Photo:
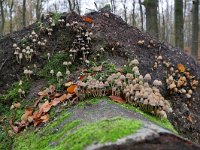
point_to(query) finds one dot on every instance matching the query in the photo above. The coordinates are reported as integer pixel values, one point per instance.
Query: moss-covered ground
(64, 137)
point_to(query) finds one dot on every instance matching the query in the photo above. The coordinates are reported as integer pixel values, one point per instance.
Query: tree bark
(2, 23)
(151, 17)
(10, 14)
(78, 7)
(133, 13)
(178, 13)
(141, 15)
(195, 28)
(71, 5)
(38, 9)
(125, 10)
(113, 6)
(24, 13)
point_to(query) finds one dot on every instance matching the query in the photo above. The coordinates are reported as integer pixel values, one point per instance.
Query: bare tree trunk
(151, 17)
(71, 5)
(24, 13)
(38, 9)
(141, 15)
(78, 9)
(10, 14)
(179, 36)
(195, 28)
(133, 13)
(125, 10)
(2, 24)
(113, 6)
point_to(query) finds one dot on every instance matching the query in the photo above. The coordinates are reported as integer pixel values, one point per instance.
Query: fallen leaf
(181, 68)
(45, 107)
(117, 99)
(72, 88)
(45, 118)
(81, 78)
(38, 100)
(15, 128)
(87, 19)
(28, 112)
(30, 119)
(97, 69)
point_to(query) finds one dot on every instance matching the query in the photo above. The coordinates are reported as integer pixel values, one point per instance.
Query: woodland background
(173, 21)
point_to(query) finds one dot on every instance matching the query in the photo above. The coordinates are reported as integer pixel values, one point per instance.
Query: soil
(110, 31)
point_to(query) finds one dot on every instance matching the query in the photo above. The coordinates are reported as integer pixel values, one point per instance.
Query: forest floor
(121, 43)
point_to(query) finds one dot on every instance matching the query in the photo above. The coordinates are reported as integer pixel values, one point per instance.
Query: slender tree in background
(178, 13)
(151, 17)
(2, 23)
(10, 5)
(24, 13)
(38, 9)
(141, 16)
(125, 10)
(72, 5)
(113, 6)
(133, 13)
(195, 29)
(78, 6)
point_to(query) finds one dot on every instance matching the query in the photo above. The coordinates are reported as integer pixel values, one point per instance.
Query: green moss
(108, 130)
(163, 123)
(89, 101)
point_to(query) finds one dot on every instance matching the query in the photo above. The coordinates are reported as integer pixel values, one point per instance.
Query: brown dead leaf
(72, 89)
(117, 99)
(181, 68)
(38, 100)
(97, 69)
(45, 107)
(81, 78)
(28, 112)
(45, 118)
(15, 128)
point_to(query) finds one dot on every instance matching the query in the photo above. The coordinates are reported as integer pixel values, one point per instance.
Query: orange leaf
(72, 88)
(117, 99)
(45, 118)
(28, 112)
(45, 107)
(181, 68)
(87, 19)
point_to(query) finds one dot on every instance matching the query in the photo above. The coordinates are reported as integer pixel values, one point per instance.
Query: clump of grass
(12, 93)
(56, 64)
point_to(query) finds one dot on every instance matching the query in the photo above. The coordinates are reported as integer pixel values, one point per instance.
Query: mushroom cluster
(181, 81)
(82, 42)
(133, 87)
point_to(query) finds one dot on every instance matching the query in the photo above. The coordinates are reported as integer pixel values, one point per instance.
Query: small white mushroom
(52, 72)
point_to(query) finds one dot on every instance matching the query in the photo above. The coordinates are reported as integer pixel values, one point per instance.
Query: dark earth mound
(120, 42)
